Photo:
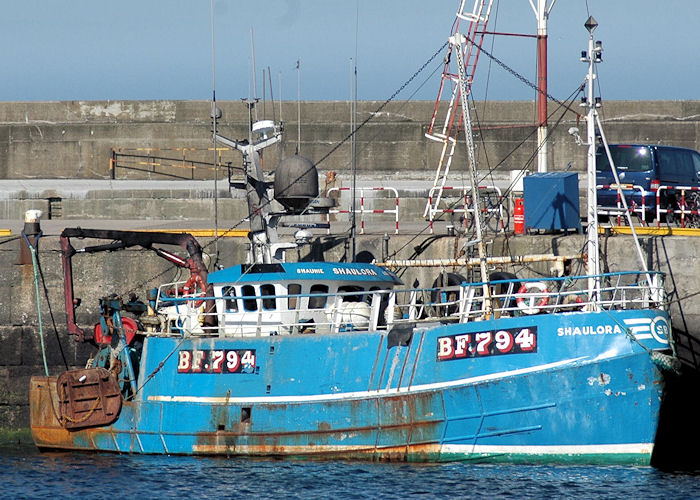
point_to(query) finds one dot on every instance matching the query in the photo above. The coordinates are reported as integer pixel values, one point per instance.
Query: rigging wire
(48, 303)
(521, 77)
(376, 113)
(372, 115)
(367, 120)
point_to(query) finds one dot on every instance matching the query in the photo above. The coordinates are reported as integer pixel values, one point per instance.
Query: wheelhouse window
(268, 303)
(293, 289)
(318, 301)
(229, 295)
(249, 303)
(356, 291)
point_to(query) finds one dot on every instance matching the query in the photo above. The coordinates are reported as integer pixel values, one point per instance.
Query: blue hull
(568, 387)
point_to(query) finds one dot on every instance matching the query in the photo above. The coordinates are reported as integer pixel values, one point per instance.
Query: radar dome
(296, 183)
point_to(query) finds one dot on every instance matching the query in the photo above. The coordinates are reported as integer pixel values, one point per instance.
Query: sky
(162, 49)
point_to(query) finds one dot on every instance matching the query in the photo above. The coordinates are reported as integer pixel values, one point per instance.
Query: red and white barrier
(362, 210)
(464, 207)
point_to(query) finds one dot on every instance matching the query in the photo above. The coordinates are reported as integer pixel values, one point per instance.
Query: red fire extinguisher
(519, 216)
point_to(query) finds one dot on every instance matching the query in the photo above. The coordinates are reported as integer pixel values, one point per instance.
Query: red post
(542, 80)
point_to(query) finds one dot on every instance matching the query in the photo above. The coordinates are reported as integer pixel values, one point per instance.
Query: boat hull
(585, 393)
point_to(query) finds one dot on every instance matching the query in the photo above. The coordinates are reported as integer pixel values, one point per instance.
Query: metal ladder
(445, 127)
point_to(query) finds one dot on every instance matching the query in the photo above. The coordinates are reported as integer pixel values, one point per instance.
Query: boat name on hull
(216, 361)
(488, 343)
(589, 330)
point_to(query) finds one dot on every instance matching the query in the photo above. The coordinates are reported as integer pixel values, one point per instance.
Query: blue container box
(551, 201)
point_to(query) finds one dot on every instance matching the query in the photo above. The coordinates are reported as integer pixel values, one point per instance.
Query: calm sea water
(25, 473)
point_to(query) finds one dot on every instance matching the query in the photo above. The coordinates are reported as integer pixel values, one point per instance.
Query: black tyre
(504, 288)
(439, 296)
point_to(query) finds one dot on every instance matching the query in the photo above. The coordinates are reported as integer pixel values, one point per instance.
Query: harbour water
(26, 473)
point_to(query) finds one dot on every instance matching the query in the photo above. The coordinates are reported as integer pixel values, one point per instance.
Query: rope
(35, 266)
(98, 400)
(48, 304)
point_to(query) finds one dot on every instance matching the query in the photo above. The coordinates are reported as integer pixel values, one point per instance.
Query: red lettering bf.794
(489, 343)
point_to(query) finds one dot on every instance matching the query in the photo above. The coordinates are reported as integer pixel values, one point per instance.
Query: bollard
(519, 216)
(32, 228)
(385, 247)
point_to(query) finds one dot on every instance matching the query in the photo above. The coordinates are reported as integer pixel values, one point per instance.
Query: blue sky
(161, 49)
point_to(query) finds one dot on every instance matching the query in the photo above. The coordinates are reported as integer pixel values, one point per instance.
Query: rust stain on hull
(44, 416)
(388, 442)
(47, 430)
(401, 453)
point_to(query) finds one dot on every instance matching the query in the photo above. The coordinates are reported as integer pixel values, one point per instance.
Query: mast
(353, 217)
(591, 103)
(594, 127)
(263, 233)
(458, 40)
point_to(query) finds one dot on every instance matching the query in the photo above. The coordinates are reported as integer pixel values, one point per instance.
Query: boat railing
(519, 297)
(379, 310)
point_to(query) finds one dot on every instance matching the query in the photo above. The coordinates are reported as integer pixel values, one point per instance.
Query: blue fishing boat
(338, 360)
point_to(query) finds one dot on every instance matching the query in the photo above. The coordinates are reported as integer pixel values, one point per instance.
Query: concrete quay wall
(74, 139)
(98, 275)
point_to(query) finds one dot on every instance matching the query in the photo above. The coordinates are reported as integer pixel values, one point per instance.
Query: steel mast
(458, 40)
(592, 245)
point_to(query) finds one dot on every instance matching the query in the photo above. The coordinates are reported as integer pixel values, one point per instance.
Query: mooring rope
(35, 266)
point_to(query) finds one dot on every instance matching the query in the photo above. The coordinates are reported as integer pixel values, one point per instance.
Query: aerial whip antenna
(255, 83)
(353, 225)
(215, 114)
(298, 106)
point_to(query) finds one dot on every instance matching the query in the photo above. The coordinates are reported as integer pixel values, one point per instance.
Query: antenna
(264, 96)
(255, 84)
(215, 113)
(279, 77)
(272, 98)
(353, 225)
(298, 105)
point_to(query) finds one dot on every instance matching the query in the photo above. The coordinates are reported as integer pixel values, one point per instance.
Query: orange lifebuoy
(526, 299)
(191, 287)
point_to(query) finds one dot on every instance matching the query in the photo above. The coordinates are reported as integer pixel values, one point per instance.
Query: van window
(229, 294)
(318, 302)
(268, 303)
(676, 166)
(628, 158)
(249, 303)
(696, 164)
